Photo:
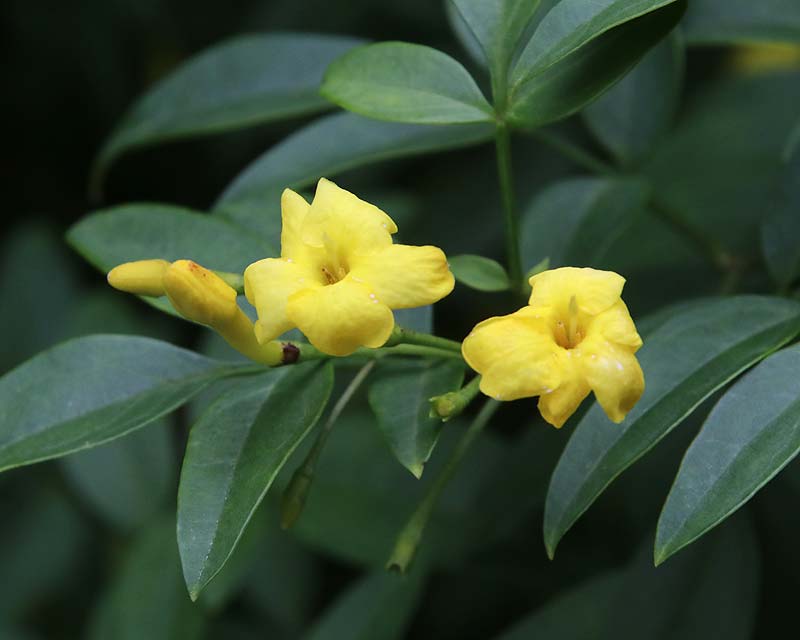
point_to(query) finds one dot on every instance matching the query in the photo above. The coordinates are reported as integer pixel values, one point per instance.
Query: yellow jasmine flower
(339, 275)
(575, 336)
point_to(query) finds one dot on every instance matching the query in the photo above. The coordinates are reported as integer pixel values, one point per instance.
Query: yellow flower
(339, 275)
(575, 336)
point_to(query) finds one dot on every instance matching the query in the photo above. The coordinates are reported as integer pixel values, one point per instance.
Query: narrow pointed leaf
(478, 272)
(88, 391)
(684, 361)
(400, 402)
(234, 452)
(327, 147)
(403, 82)
(742, 21)
(749, 436)
(242, 82)
(498, 26)
(553, 84)
(632, 116)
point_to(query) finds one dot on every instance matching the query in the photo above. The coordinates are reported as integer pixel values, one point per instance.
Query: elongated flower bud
(143, 277)
(199, 294)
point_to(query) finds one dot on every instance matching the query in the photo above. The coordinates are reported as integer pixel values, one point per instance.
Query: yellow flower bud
(143, 277)
(199, 294)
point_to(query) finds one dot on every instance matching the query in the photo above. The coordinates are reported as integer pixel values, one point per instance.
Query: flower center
(333, 273)
(569, 334)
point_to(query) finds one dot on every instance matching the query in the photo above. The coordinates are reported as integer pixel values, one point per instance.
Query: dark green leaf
(417, 319)
(142, 231)
(241, 82)
(477, 272)
(234, 453)
(632, 116)
(709, 593)
(326, 147)
(403, 82)
(378, 606)
(147, 599)
(561, 71)
(780, 232)
(498, 27)
(732, 135)
(684, 361)
(576, 221)
(88, 391)
(751, 434)
(742, 21)
(128, 480)
(400, 402)
(792, 142)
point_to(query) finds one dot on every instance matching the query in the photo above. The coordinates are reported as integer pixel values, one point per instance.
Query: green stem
(294, 497)
(503, 147)
(297, 352)
(407, 542)
(573, 152)
(408, 336)
(449, 405)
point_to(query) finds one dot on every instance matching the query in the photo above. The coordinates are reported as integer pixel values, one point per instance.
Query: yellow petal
(613, 373)
(403, 276)
(594, 290)
(557, 406)
(198, 294)
(616, 325)
(294, 209)
(339, 318)
(344, 224)
(515, 355)
(268, 284)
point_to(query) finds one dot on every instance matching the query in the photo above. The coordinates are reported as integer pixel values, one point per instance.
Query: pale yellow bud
(198, 294)
(143, 277)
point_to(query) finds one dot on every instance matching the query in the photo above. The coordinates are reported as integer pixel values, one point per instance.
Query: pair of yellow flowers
(340, 275)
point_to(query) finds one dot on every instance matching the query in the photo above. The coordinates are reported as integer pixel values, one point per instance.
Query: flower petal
(294, 209)
(613, 373)
(268, 284)
(344, 224)
(557, 406)
(403, 276)
(515, 355)
(616, 325)
(594, 290)
(341, 317)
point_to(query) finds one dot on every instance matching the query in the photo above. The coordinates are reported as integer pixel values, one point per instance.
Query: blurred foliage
(684, 176)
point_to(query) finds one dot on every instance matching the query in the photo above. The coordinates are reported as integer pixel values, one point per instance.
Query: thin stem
(294, 497)
(407, 542)
(449, 405)
(573, 152)
(408, 336)
(503, 147)
(296, 352)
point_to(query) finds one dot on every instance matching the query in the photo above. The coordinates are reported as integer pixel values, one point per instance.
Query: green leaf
(400, 402)
(234, 453)
(740, 172)
(567, 64)
(378, 606)
(498, 27)
(477, 272)
(327, 147)
(403, 82)
(88, 391)
(128, 480)
(147, 599)
(142, 231)
(576, 221)
(684, 361)
(242, 82)
(742, 21)
(750, 435)
(780, 232)
(711, 592)
(792, 142)
(635, 114)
